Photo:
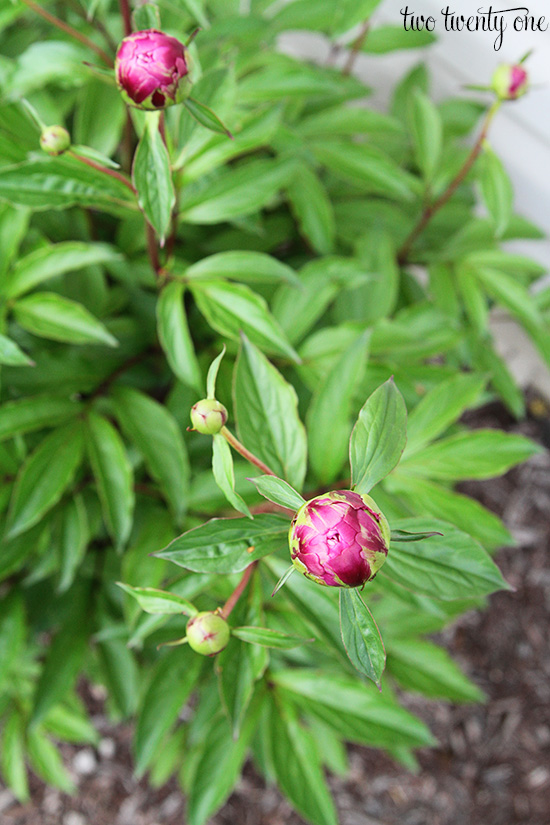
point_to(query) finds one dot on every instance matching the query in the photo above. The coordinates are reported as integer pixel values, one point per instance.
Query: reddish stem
(111, 172)
(126, 16)
(356, 48)
(152, 248)
(431, 209)
(237, 593)
(241, 449)
(55, 21)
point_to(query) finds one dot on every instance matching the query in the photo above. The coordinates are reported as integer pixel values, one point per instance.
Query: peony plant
(203, 229)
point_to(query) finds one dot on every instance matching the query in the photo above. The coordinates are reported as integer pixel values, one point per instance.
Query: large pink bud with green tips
(339, 539)
(152, 70)
(510, 82)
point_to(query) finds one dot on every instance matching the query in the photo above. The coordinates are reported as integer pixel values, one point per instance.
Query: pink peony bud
(207, 633)
(339, 539)
(510, 82)
(208, 416)
(152, 70)
(55, 140)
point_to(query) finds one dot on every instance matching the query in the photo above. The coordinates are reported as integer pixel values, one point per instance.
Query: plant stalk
(433, 208)
(237, 593)
(241, 449)
(55, 21)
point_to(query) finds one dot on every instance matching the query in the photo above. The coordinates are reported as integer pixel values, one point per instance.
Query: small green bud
(55, 140)
(207, 633)
(510, 82)
(208, 416)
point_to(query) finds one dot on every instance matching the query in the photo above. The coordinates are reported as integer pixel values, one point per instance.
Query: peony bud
(207, 633)
(339, 539)
(55, 140)
(510, 82)
(208, 416)
(152, 70)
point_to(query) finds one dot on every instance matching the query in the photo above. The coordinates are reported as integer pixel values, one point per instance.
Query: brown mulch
(492, 765)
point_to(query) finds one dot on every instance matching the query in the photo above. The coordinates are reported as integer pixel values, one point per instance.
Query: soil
(492, 765)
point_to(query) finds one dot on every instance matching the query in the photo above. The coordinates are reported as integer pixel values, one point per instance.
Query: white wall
(521, 132)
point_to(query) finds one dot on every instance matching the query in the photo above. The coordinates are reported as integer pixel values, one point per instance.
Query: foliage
(296, 245)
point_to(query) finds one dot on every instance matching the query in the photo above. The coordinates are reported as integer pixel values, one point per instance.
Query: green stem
(433, 208)
(55, 21)
(241, 449)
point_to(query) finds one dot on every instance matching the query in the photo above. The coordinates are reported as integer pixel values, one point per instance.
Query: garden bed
(491, 765)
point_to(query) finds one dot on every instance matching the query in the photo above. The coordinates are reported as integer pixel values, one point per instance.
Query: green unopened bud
(207, 633)
(55, 140)
(208, 416)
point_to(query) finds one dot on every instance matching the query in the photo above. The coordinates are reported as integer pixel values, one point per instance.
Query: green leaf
(266, 409)
(497, 191)
(452, 567)
(159, 601)
(174, 677)
(63, 659)
(34, 413)
(234, 192)
(59, 183)
(356, 710)
(219, 764)
(474, 454)
(268, 638)
(222, 467)
(46, 761)
(73, 540)
(441, 407)
(329, 414)
(428, 669)
(156, 434)
(70, 725)
(316, 605)
(206, 117)
(11, 355)
(403, 535)
(240, 665)
(278, 491)
(297, 765)
(367, 168)
(465, 513)
(378, 438)
(245, 265)
(121, 674)
(212, 375)
(391, 38)
(361, 636)
(12, 633)
(313, 209)
(227, 545)
(49, 315)
(427, 130)
(54, 260)
(12, 755)
(153, 179)
(44, 477)
(113, 476)
(233, 308)
(174, 337)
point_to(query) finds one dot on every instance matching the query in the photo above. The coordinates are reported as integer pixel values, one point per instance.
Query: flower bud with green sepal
(207, 633)
(153, 70)
(208, 416)
(55, 140)
(509, 82)
(339, 539)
